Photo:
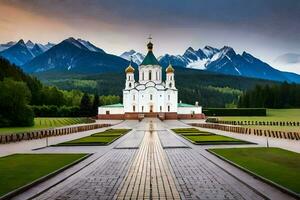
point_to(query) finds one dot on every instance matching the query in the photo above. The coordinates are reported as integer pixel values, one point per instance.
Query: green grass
(97, 139)
(213, 139)
(274, 115)
(292, 115)
(43, 123)
(278, 165)
(20, 169)
(206, 138)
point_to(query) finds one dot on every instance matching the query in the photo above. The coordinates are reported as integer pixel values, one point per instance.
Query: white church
(150, 96)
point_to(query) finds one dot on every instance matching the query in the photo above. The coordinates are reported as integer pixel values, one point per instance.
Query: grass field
(20, 169)
(278, 165)
(292, 115)
(206, 138)
(97, 139)
(42, 123)
(280, 115)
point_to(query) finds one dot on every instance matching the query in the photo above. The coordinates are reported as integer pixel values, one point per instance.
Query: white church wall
(112, 110)
(190, 110)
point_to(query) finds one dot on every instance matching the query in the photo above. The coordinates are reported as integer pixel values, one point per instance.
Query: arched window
(150, 96)
(133, 108)
(170, 85)
(129, 84)
(134, 97)
(168, 108)
(143, 76)
(142, 108)
(156, 75)
(150, 74)
(169, 97)
(160, 108)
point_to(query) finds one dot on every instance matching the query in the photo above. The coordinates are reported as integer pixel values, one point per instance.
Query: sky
(264, 28)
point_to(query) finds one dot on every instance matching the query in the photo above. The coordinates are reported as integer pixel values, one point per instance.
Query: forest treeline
(285, 95)
(23, 96)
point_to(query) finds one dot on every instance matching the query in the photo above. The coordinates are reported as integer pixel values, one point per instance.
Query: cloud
(266, 28)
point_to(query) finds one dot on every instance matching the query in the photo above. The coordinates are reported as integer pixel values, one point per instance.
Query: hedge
(235, 111)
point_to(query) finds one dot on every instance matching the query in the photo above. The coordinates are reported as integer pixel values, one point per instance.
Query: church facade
(150, 96)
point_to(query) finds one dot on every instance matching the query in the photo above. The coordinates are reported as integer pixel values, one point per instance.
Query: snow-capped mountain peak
(135, 56)
(6, 45)
(29, 44)
(90, 46)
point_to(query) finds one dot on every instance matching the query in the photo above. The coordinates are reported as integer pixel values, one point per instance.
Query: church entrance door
(151, 108)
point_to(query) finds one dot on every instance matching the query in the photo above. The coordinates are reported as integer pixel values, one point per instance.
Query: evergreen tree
(85, 106)
(95, 106)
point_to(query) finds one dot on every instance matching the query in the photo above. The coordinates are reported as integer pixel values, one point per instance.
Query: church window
(129, 84)
(170, 85)
(168, 108)
(133, 97)
(133, 108)
(160, 108)
(156, 76)
(150, 96)
(169, 97)
(150, 74)
(142, 108)
(143, 76)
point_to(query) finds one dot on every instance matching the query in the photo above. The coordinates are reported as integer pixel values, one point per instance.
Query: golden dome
(170, 69)
(129, 69)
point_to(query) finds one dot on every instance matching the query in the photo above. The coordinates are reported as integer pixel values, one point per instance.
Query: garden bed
(97, 139)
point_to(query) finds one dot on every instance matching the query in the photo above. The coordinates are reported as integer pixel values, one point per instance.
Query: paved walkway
(151, 162)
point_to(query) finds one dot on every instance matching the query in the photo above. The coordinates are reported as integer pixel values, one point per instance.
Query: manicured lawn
(42, 123)
(20, 169)
(292, 115)
(274, 115)
(278, 165)
(97, 139)
(206, 138)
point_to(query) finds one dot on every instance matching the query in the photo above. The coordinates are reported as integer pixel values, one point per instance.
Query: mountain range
(80, 56)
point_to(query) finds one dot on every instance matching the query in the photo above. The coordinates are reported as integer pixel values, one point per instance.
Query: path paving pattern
(151, 162)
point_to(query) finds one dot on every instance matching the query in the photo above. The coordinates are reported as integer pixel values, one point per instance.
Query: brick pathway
(98, 181)
(200, 179)
(153, 163)
(149, 176)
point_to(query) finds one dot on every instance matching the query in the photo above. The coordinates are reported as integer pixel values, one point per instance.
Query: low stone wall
(160, 115)
(4, 139)
(258, 123)
(191, 116)
(251, 131)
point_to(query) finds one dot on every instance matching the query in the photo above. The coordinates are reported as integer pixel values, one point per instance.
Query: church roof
(170, 69)
(184, 105)
(150, 59)
(118, 105)
(129, 69)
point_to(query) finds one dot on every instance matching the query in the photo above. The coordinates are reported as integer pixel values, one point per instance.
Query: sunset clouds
(265, 28)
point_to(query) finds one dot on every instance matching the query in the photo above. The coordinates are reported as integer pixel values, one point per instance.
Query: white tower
(170, 80)
(129, 77)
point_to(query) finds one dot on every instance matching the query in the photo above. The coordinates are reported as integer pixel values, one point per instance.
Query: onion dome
(170, 69)
(129, 69)
(150, 46)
